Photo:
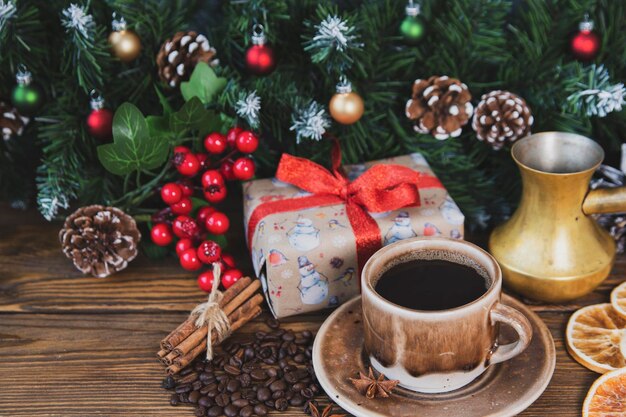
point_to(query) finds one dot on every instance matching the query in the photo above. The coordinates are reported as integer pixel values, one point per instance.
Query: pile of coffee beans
(272, 371)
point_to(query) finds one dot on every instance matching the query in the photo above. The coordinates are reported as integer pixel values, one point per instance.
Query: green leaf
(167, 108)
(158, 125)
(203, 84)
(193, 116)
(133, 149)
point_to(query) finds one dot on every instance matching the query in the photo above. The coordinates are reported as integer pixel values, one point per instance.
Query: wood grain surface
(78, 346)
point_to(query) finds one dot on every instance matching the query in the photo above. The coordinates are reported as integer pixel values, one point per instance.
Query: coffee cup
(427, 348)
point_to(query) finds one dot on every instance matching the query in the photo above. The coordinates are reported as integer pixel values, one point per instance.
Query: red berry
(205, 281)
(204, 160)
(215, 193)
(227, 170)
(184, 206)
(182, 245)
(189, 260)
(217, 223)
(181, 150)
(187, 164)
(212, 177)
(171, 193)
(230, 277)
(231, 136)
(209, 252)
(247, 142)
(185, 227)
(228, 259)
(187, 186)
(161, 234)
(243, 168)
(215, 143)
(203, 213)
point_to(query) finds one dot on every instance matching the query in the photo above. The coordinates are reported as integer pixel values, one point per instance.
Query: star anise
(373, 387)
(315, 412)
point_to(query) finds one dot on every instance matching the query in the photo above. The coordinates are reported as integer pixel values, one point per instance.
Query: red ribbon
(381, 188)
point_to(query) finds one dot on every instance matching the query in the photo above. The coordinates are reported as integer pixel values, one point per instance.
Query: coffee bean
(271, 372)
(297, 400)
(278, 385)
(299, 358)
(263, 394)
(288, 336)
(246, 411)
(241, 403)
(272, 323)
(213, 393)
(233, 385)
(248, 354)
(258, 375)
(235, 396)
(291, 377)
(314, 388)
(232, 348)
(215, 411)
(204, 401)
(200, 412)
(182, 398)
(194, 396)
(270, 381)
(281, 404)
(260, 410)
(299, 386)
(278, 394)
(289, 395)
(231, 411)
(260, 335)
(231, 370)
(183, 388)
(270, 404)
(168, 383)
(301, 340)
(197, 385)
(245, 380)
(185, 371)
(174, 400)
(307, 393)
(222, 399)
(236, 361)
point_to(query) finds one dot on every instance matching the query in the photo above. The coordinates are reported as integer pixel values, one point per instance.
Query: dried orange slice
(618, 299)
(596, 338)
(607, 396)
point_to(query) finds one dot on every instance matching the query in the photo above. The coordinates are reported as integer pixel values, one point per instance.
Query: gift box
(308, 241)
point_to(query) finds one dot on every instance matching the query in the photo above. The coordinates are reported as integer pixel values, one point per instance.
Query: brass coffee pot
(551, 249)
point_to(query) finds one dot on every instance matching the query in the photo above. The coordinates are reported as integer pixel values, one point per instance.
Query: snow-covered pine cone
(501, 117)
(11, 122)
(100, 240)
(440, 106)
(179, 55)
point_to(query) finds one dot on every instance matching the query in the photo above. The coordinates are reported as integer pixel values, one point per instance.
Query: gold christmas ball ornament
(125, 44)
(346, 106)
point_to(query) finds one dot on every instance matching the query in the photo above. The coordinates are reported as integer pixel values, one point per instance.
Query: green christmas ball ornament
(27, 97)
(412, 28)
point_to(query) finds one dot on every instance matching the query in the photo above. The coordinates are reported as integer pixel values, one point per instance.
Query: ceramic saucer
(505, 389)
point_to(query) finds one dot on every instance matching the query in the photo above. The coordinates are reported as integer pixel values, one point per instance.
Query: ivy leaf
(193, 116)
(133, 149)
(203, 84)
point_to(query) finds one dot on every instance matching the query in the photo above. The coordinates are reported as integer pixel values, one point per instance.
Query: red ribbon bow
(381, 188)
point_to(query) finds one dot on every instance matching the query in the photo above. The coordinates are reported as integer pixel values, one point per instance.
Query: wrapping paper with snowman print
(307, 259)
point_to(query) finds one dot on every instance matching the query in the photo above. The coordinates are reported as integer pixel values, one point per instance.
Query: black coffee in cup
(431, 284)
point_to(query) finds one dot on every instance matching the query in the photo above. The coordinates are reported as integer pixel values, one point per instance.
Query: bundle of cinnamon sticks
(240, 303)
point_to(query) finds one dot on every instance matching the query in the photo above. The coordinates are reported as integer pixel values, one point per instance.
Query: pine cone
(440, 106)
(100, 240)
(501, 117)
(11, 122)
(179, 55)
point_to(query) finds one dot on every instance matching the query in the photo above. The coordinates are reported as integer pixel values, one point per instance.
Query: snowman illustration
(418, 159)
(401, 229)
(313, 285)
(450, 211)
(304, 236)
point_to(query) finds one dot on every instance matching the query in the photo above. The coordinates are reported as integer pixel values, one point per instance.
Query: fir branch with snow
(75, 18)
(7, 11)
(248, 107)
(594, 95)
(309, 121)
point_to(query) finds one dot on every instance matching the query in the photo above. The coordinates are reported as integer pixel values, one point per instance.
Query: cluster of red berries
(192, 247)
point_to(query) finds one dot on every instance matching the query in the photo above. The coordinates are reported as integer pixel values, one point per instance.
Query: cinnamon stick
(167, 359)
(200, 333)
(161, 353)
(186, 328)
(189, 357)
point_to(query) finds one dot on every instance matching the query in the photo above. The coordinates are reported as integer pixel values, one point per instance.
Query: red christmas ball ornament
(171, 193)
(227, 170)
(100, 120)
(247, 142)
(189, 260)
(260, 56)
(585, 44)
(215, 143)
(185, 227)
(205, 281)
(231, 136)
(203, 214)
(228, 259)
(187, 164)
(243, 168)
(230, 277)
(217, 223)
(186, 186)
(209, 252)
(182, 245)
(184, 206)
(161, 234)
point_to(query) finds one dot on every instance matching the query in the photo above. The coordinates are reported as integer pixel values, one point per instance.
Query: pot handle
(605, 200)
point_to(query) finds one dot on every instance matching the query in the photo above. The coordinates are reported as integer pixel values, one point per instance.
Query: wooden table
(80, 346)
